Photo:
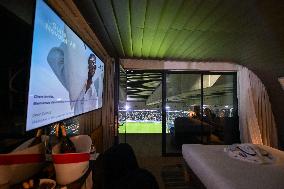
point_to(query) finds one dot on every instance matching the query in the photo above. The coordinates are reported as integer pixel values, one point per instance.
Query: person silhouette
(197, 114)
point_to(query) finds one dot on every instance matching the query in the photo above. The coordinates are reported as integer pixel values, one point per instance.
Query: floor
(148, 149)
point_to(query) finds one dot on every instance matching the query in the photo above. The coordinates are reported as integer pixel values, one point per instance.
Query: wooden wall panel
(90, 121)
(97, 138)
(108, 108)
(99, 123)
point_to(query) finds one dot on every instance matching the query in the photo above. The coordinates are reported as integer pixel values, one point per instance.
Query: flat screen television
(66, 76)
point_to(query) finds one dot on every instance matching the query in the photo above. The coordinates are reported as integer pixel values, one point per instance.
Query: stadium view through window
(198, 107)
(136, 113)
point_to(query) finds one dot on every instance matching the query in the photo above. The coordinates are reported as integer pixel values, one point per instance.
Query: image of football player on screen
(87, 98)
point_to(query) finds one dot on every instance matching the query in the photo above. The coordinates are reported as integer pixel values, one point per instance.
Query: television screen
(66, 76)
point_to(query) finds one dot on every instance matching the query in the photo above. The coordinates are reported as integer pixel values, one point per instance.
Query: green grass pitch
(141, 127)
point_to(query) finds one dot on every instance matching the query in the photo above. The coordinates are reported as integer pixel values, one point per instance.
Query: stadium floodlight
(167, 107)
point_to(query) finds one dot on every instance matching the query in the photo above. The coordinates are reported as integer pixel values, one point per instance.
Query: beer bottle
(67, 146)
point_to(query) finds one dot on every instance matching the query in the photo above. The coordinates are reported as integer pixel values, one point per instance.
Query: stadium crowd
(156, 115)
(149, 115)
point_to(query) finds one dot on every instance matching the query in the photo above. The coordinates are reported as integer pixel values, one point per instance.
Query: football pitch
(141, 127)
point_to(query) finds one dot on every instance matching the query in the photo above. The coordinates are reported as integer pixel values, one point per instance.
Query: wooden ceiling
(179, 29)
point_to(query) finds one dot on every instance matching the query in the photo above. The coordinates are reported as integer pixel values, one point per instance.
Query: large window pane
(218, 108)
(183, 93)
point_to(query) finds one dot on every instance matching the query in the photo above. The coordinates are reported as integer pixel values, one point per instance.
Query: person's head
(207, 112)
(196, 109)
(191, 114)
(222, 114)
(91, 66)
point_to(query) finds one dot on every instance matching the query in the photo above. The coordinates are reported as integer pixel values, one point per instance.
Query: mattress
(217, 170)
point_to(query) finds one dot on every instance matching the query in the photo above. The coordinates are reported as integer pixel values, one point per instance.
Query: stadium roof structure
(140, 85)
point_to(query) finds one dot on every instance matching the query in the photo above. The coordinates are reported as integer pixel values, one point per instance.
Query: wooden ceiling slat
(216, 43)
(170, 37)
(107, 14)
(242, 20)
(185, 12)
(148, 35)
(225, 44)
(156, 42)
(237, 12)
(180, 39)
(201, 13)
(177, 27)
(153, 13)
(180, 36)
(272, 17)
(168, 15)
(95, 22)
(255, 47)
(211, 18)
(184, 36)
(138, 11)
(199, 43)
(188, 42)
(137, 39)
(205, 40)
(122, 14)
(235, 45)
(221, 12)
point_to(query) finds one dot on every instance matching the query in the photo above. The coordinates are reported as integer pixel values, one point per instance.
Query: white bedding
(217, 170)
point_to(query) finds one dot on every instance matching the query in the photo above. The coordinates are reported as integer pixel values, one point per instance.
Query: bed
(216, 170)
